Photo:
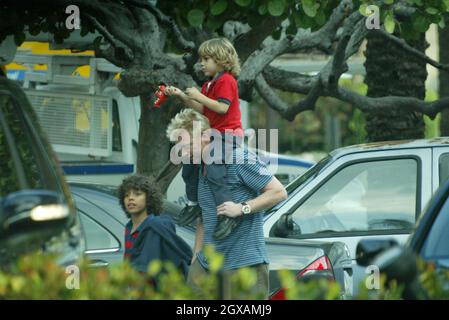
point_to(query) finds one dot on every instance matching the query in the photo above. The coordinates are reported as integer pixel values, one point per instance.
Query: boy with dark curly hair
(149, 235)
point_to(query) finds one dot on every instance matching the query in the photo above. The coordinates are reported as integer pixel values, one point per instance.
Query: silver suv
(369, 191)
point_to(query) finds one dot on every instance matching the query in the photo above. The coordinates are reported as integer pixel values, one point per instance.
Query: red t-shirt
(224, 89)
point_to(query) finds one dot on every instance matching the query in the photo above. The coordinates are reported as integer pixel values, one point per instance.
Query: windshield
(311, 173)
(296, 184)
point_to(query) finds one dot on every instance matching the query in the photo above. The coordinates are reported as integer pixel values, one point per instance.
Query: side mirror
(283, 227)
(368, 249)
(30, 217)
(398, 264)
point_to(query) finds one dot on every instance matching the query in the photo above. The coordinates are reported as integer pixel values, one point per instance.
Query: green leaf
(432, 10)
(243, 3)
(276, 7)
(421, 24)
(389, 23)
(320, 18)
(310, 7)
(263, 9)
(388, 1)
(442, 23)
(214, 23)
(195, 17)
(446, 4)
(362, 10)
(219, 7)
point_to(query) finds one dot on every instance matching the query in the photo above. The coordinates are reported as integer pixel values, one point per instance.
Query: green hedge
(38, 276)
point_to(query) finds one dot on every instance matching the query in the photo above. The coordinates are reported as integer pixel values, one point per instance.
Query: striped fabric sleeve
(254, 175)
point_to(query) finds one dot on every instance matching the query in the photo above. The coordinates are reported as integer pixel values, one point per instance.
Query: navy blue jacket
(157, 240)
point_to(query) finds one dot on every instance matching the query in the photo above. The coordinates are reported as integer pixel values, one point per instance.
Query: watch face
(246, 209)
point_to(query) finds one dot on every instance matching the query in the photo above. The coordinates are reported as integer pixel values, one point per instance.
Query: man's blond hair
(222, 52)
(185, 120)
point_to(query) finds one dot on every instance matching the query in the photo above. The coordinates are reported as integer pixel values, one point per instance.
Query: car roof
(100, 195)
(391, 145)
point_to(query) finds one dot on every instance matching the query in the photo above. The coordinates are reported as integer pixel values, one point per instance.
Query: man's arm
(198, 238)
(273, 193)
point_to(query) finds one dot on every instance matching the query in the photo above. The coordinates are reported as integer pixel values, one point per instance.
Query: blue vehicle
(429, 241)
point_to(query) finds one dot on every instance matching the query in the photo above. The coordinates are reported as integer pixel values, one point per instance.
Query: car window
(436, 245)
(8, 178)
(97, 237)
(22, 144)
(368, 196)
(443, 165)
(116, 129)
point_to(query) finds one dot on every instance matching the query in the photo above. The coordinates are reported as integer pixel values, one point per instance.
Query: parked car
(36, 208)
(374, 191)
(104, 221)
(430, 241)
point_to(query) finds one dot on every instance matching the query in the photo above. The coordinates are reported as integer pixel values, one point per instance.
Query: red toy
(160, 96)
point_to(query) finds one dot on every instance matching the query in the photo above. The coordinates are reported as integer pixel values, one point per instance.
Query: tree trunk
(443, 43)
(154, 147)
(391, 71)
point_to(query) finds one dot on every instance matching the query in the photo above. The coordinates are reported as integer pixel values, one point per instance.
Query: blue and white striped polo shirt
(245, 246)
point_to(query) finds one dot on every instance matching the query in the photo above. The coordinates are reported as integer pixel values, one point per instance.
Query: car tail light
(320, 264)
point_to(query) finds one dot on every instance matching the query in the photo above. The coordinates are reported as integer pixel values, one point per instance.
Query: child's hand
(172, 91)
(193, 93)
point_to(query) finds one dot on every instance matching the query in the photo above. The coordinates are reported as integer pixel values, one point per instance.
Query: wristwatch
(246, 209)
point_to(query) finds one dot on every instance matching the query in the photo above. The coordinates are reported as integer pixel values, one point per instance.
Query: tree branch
(270, 97)
(248, 42)
(288, 80)
(365, 103)
(167, 21)
(303, 39)
(116, 44)
(404, 46)
(165, 176)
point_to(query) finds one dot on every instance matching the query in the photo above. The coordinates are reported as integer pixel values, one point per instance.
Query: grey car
(369, 191)
(103, 222)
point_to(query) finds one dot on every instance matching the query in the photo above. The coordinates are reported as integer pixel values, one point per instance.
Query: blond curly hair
(223, 53)
(185, 120)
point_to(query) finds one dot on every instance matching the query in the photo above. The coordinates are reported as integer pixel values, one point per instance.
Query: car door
(368, 194)
(102, 234)
(29, 173)
(440, 166)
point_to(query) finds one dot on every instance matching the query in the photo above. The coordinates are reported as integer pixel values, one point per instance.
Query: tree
(139, 35)
(443, 41)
